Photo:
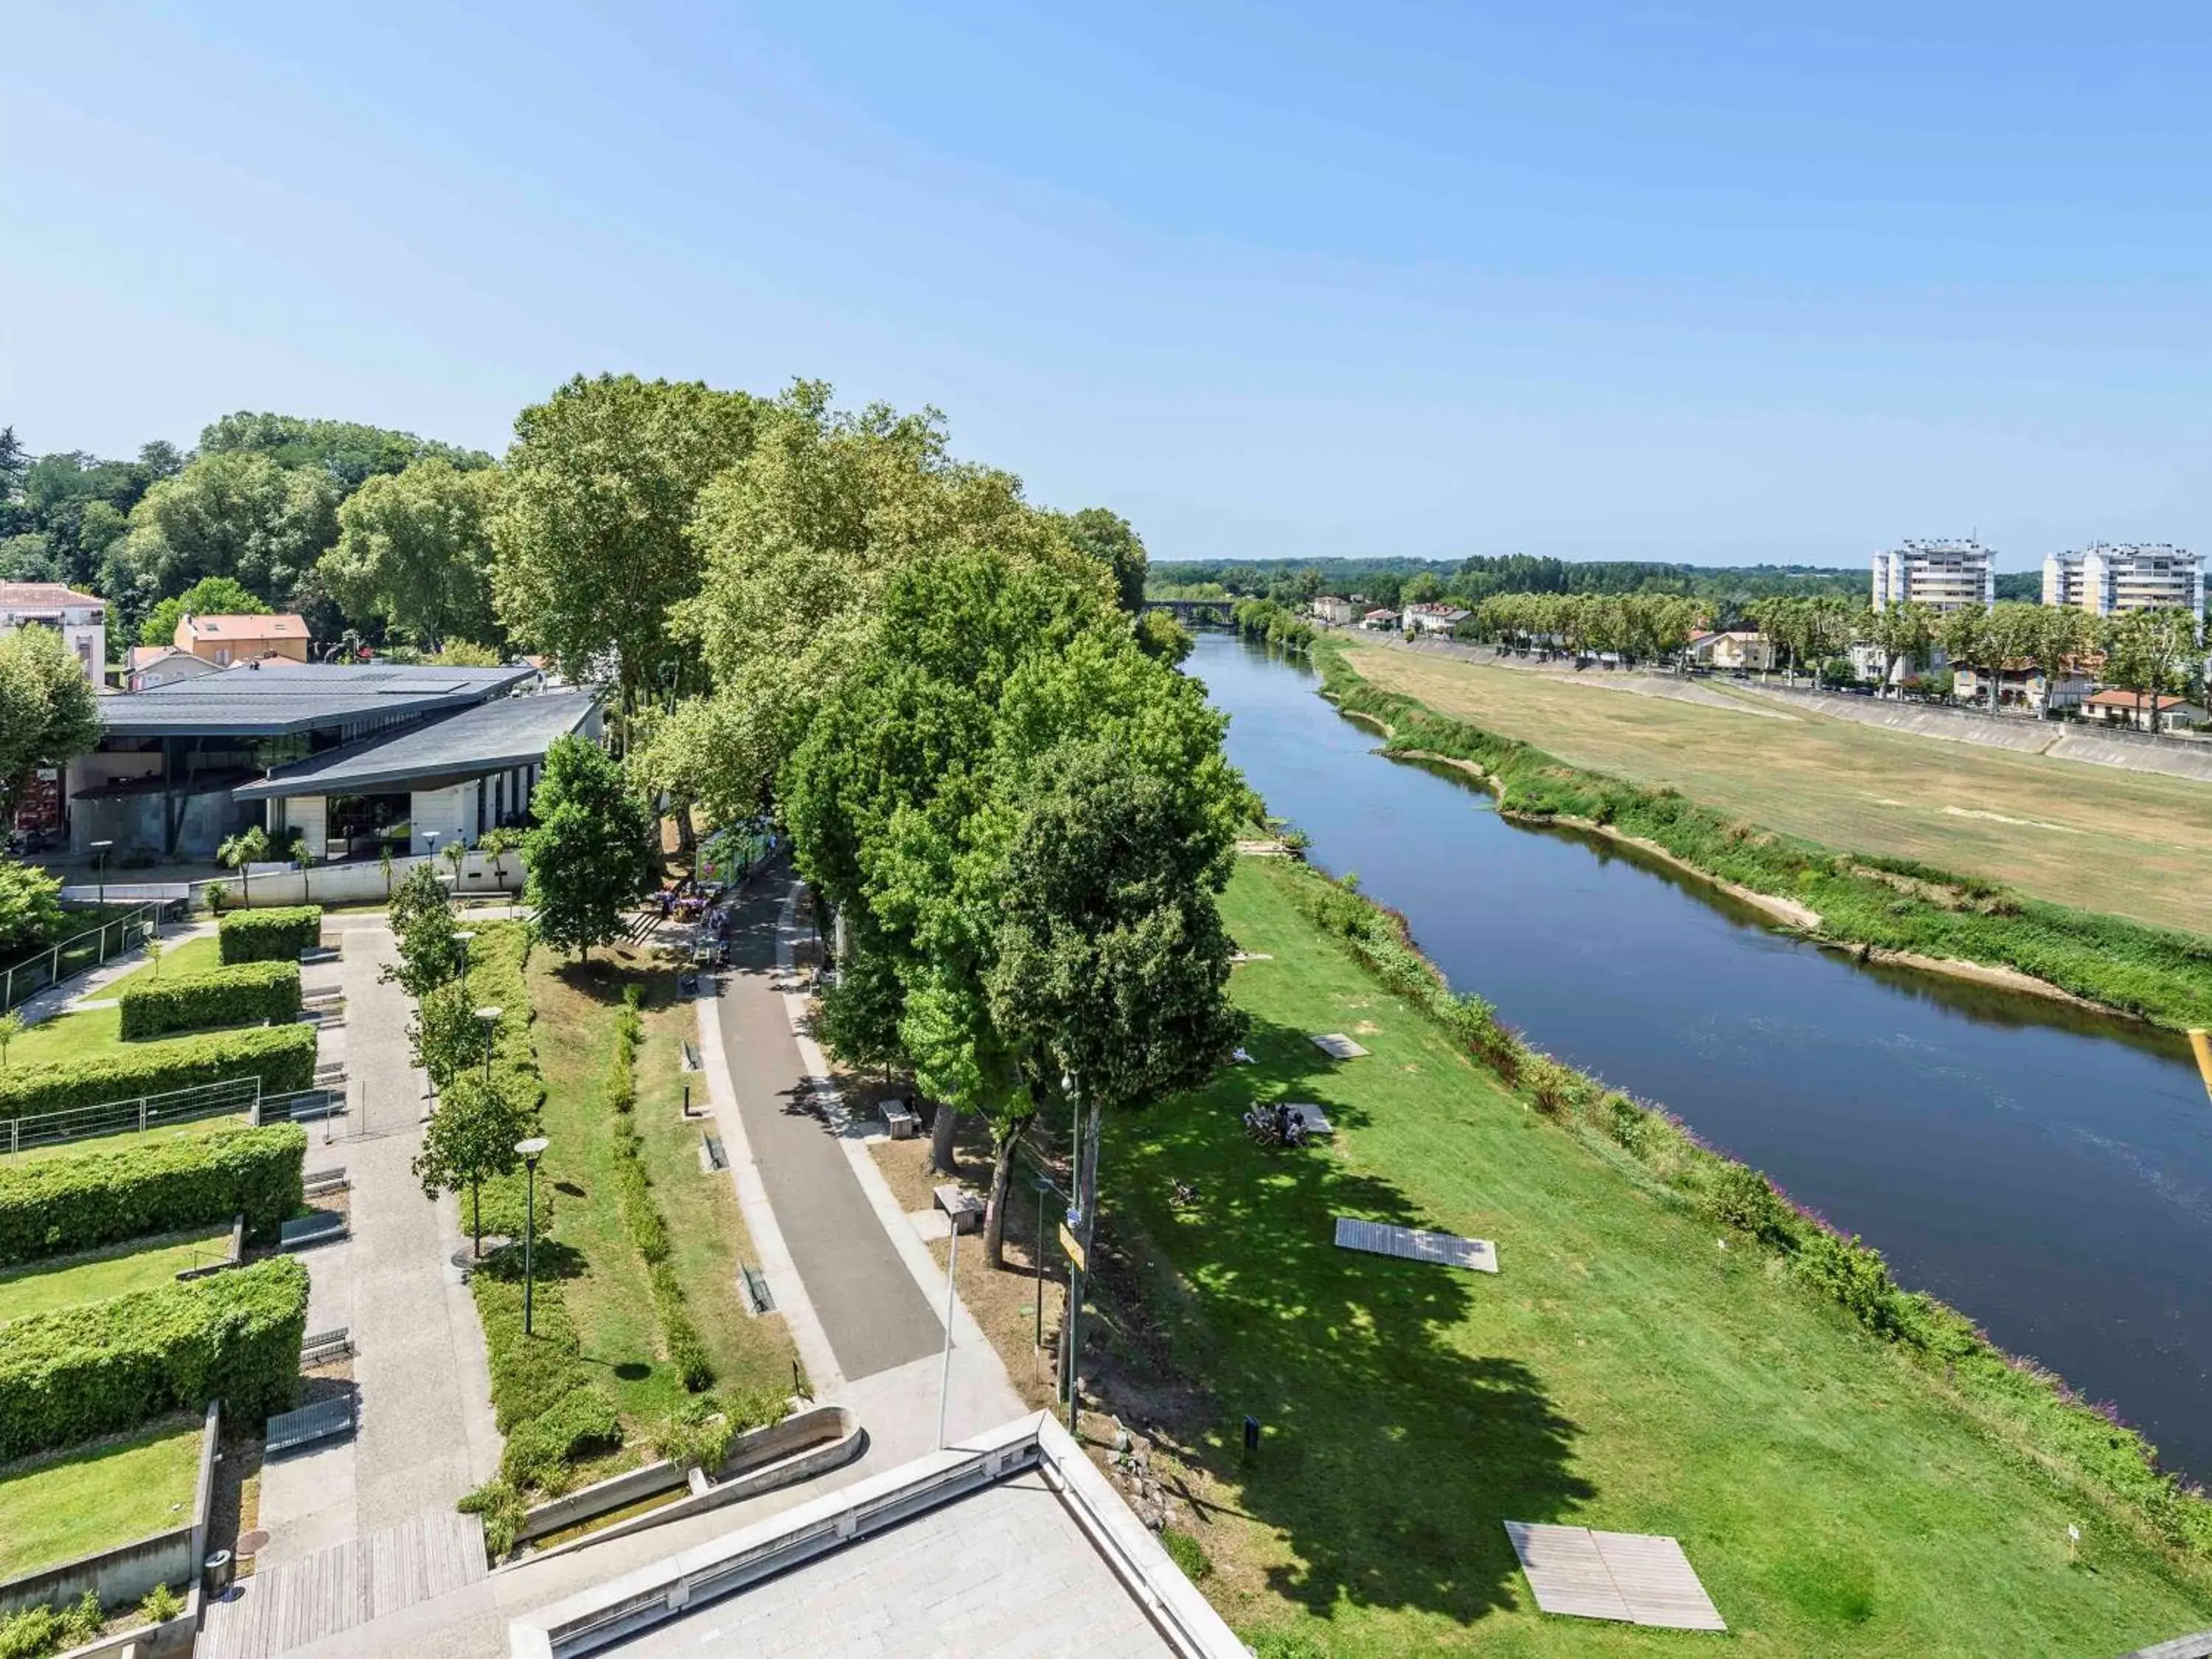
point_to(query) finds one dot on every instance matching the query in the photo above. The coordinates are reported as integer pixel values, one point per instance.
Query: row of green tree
(1389, 583)
(1635, 626)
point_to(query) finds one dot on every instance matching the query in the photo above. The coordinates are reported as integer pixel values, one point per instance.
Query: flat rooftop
(1010, 1543)
(491, 737)
(253, 703)
(1003, 1571)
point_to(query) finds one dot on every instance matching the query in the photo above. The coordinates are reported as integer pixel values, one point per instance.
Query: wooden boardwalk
(1379, 1237)
(345, 1586)
(1634, 1577)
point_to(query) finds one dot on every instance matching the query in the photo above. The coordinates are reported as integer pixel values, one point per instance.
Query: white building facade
(2108, 577)
(1943, 575)
(80, 618)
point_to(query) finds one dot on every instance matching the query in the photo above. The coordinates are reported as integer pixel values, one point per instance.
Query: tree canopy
(210, 596)
(415, 549)
(48, 710)
(591, 853)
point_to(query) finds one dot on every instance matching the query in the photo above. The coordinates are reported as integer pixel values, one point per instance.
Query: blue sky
(1705, 280)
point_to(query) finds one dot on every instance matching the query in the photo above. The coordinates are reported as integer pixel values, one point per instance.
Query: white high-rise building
(2108, 577)
(1943, 575)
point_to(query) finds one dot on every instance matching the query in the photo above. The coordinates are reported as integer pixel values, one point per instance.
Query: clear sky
(1705, 280)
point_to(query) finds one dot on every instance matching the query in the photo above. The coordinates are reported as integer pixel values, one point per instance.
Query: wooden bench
(316, 1182)
(303, 1427)
(323, 1347)
(716, 1157)
(322, 1227)
(900, 1119)
(690, 1055)
(962, 1207)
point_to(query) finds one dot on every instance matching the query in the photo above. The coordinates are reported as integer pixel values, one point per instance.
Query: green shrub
(581, 1423)
(161, 1605)
(1187, 1553)
(282, 1056)
(273, 935)
(244, 995)
(502, 1510)
(50, 1207)
(77, 1373)
(37, 1631)
(1744, 1199)
(1854, 1275)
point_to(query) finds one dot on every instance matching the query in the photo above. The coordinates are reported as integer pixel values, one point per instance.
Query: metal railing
(77, 954)
(234, 1097)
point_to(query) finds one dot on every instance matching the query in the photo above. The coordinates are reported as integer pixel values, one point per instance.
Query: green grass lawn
(142, 1265)
(204, 1126)
(610, 1300)
(98, 1031)
(1622, 1371)
(61, 1507)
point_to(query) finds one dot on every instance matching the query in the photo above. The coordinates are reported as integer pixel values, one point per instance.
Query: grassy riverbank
(1862, 898)
(2099, 838)
(1838, 1492)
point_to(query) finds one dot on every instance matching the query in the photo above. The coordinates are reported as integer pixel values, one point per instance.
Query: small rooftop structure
(492, 737)
(27, 600)
(250, 701)
(229, 639)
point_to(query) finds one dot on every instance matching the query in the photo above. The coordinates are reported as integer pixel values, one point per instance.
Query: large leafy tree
(1109, 538)
(415, 549)
(1112, 965)
(237, 514)
(470, 1140)
(590, 854)
(1902, 632)
(345, 452)
(48, 710)
(2152, 654)
(799, 540)
(590, 549)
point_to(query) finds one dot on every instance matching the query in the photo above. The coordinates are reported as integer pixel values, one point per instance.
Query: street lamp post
(1044, 1189)
(464, 939)
(531, 1150)
(488, 1016)
(101, 848)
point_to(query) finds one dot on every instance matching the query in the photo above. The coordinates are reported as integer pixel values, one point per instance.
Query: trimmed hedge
(282, 1056)
(76, 1373)
(278, 934)
(53, 1206)
(244, 995)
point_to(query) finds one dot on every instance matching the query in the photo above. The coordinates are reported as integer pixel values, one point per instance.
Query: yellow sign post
(2200, 1042)
(1073, 1246)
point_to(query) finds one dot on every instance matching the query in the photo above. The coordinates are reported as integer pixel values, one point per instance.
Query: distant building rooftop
(45, 596)
(492, 737)
(282, 626)
(250, 701)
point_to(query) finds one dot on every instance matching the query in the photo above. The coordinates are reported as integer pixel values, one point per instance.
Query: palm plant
(499, 843)
(454, 852)
(241, 850)
(384, 863)
(154, 949)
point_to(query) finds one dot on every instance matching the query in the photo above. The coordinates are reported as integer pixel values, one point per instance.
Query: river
(2045, 1171)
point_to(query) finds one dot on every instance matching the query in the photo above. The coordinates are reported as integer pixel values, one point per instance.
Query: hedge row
(278, 934)
(69, 1375)
(244, 995)
(282, 1056)
(54, 1205)
(641, 1216)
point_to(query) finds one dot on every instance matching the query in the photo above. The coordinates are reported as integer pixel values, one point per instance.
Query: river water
(2047, 1172)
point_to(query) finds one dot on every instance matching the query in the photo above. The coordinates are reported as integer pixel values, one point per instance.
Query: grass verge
(1638, 1365)
(1866, 900)
(55, 1509)
(143, 1265)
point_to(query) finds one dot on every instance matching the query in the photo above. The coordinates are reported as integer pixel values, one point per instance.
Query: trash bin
(214, 1574)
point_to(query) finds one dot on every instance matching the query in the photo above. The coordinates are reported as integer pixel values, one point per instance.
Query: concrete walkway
(426, 1430)
(872, 1312)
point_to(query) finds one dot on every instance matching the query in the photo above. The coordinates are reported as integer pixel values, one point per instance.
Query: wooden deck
(1634, 1577)
(345, 1586)
(1380, 1238)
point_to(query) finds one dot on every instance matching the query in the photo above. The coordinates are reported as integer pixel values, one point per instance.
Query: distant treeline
(1725, 589)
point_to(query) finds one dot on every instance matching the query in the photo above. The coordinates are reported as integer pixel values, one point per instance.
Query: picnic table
(962, 1207)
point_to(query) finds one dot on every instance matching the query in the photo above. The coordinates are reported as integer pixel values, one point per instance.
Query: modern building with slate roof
(340, 756)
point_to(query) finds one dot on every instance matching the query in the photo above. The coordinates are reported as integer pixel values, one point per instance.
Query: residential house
(1734, 651)
(80, 618)
(2115, 707)
(2024, 685)
(224, 640)
(146, 667)
(1384, 620)
(1335, 612)
(1435, 618)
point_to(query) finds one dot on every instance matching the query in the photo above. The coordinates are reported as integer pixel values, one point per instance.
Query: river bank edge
(2162, 978)
(2015, 1401)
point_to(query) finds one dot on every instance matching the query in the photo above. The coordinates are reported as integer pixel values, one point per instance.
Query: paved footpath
(870, 1311)
(426, 1428)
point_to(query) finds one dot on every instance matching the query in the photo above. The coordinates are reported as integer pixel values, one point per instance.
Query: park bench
(288, 1430)
(757, 1292)
(319, 953)
(900, 1119)
(323, 1347)
(963, 1208)
(716, 1157)
(322, 1227)
(316, 1182)
(690, 1055)
(1310, 1118)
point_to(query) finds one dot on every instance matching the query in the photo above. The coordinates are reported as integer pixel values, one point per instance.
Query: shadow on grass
(1389, 1453)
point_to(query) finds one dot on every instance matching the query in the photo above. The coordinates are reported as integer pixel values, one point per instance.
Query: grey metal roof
(260, 703)
(510, 732)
